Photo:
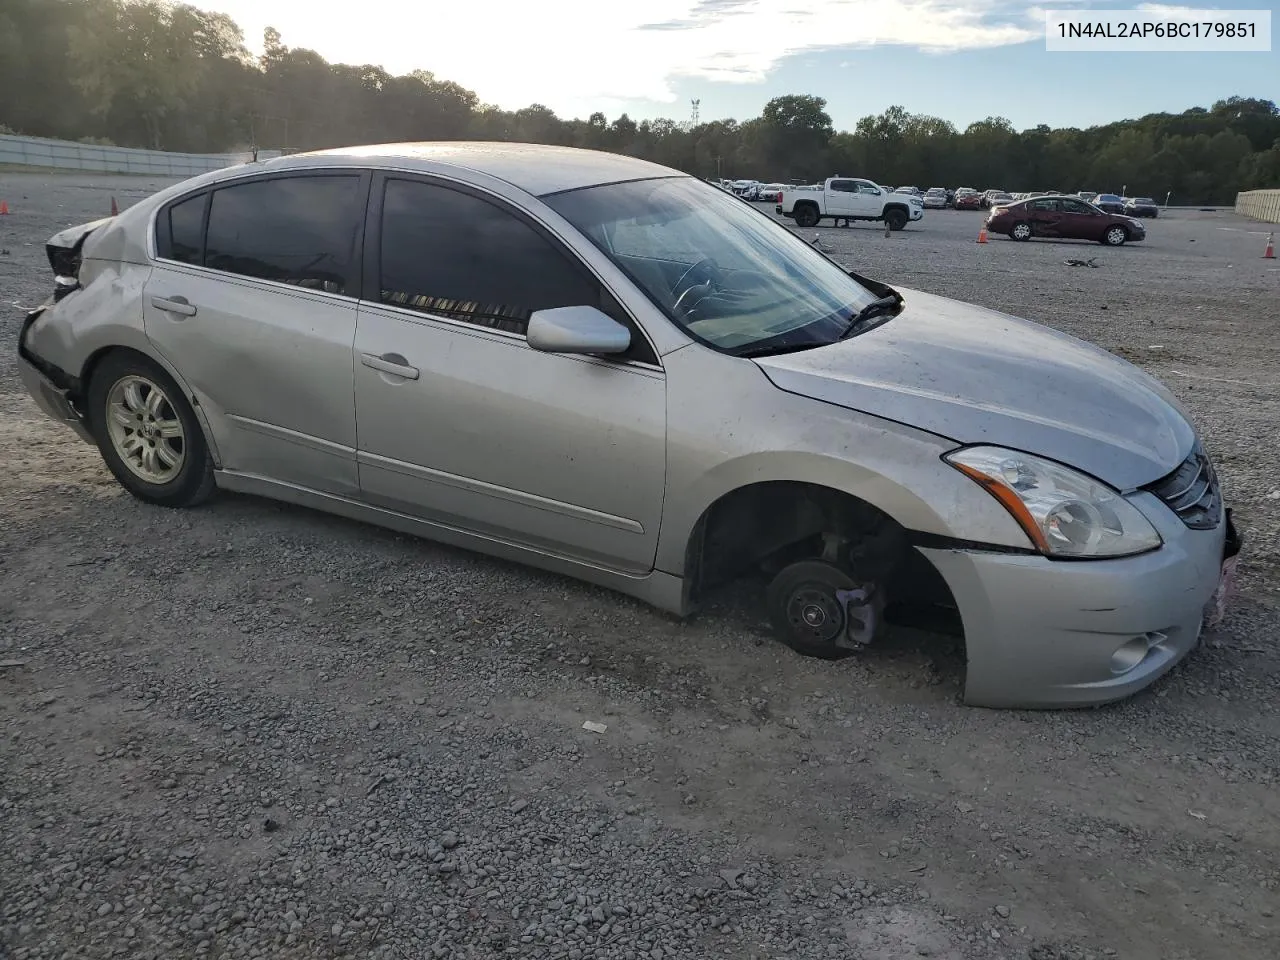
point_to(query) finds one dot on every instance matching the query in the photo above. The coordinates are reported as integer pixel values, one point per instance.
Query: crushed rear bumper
(48, 386)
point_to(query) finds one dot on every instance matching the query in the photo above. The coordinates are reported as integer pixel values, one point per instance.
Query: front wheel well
(764, 526)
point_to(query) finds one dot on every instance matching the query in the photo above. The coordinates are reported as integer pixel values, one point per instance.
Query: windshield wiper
(873, 309)
(775, 350)
(886, 304)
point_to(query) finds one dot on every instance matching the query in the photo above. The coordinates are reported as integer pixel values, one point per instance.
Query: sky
(960, 61)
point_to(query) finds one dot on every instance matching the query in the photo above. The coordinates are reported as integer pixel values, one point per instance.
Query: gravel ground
(252, 730)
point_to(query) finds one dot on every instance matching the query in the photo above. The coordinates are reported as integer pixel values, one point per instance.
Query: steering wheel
(706, 266)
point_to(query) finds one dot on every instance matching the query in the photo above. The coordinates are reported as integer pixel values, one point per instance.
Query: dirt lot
(251, 730)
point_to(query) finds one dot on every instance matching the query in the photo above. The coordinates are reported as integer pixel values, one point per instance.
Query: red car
(1065, 218)
(968, 201)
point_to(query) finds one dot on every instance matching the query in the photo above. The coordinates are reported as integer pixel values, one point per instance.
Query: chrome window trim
(421, 176)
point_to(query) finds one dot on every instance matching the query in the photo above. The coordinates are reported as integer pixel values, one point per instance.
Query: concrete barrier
(1261, 205)
(65, 155)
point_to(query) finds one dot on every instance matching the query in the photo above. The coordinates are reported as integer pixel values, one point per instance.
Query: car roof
(536, 168)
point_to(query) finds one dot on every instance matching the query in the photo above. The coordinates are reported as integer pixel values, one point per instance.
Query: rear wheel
(1115, 236)
(1020, 231)
(896, 218)
(147, 432)
(806, 216)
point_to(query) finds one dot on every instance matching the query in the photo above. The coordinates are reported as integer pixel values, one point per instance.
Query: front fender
(729, 427)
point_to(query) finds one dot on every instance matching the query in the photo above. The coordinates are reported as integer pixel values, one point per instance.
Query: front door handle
(391, 363)
(179, 305)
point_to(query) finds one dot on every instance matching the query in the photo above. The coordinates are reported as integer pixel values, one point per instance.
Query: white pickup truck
(848, 198)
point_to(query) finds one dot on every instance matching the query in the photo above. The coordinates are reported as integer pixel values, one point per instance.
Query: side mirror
(576, 330)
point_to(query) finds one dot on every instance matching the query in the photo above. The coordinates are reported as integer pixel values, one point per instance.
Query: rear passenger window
(186, 231)
(296, 230)
(457, 256)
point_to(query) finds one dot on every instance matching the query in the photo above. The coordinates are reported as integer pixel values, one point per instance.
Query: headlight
(1065, 513)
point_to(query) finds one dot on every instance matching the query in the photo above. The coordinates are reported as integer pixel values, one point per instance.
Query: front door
(1082, 221)
(257, 309)
(462, 422)
(869, 200)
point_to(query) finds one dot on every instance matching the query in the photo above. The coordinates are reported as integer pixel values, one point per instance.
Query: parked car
(912, 191)
(994, 196)
(935, 198)
(771, 192)
(747, 189)
(550, 355)
(968, 198)
(1109, 203)
(1065, 218)
(1142, 207)
(849, 198)
(1087, 195)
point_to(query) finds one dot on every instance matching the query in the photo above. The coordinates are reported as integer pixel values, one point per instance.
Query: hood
(978, 376)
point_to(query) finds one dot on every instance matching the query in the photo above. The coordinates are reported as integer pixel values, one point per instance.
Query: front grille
(1192, 491)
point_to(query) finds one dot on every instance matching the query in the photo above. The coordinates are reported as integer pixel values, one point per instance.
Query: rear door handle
(178, 305)
(391, 363)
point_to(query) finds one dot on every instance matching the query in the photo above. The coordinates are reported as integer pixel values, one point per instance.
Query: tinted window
(295, 230)
(844, 186)
(1077, 206)
(458, 256)
(1043, 205)
(186, 231)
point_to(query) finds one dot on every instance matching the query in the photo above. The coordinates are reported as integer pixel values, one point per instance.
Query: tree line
(148, 73)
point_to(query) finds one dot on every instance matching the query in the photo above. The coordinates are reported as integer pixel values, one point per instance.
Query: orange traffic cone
(982, 234)
(1268, 254)
(115, 210)
(4, 208)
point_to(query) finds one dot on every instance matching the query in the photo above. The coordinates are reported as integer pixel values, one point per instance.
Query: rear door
(1046, 217)
(253, 300)
(842, 198)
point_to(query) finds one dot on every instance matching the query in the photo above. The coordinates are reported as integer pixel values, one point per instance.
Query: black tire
(193, 482)
(1115, 236)
(1025, 232)
(896, 218)
(806, 215)
(799, 586)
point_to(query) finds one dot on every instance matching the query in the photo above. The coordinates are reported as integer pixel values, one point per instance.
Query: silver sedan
(606, 368)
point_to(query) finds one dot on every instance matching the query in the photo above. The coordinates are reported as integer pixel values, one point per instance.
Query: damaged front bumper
(48, 386)
(1046, 633)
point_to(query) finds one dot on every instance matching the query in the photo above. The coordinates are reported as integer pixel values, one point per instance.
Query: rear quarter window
(180, 231)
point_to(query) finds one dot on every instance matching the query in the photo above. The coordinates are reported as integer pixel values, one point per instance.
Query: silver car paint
(557, 452)
(1078, 614)
(270, 366)
(977, 376)
(726, 426)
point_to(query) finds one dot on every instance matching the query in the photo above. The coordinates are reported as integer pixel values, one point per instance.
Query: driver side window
(464, 258)
(844, 186)
(1077, 206)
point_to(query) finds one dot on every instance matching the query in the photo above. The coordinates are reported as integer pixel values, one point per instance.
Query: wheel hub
(814, 613)
(145, 430)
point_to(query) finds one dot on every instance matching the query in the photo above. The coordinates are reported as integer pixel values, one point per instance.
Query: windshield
(725, 273)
